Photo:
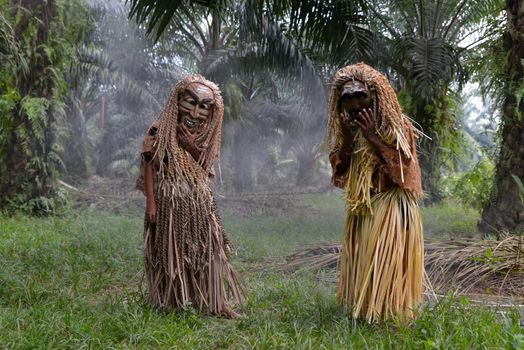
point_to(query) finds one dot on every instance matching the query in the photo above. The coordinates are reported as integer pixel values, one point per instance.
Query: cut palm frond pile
(495, 267)
(316, 256)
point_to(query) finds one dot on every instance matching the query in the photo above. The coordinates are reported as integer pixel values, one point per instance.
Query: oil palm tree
(33, 85)
(427, 42)
(505, 209)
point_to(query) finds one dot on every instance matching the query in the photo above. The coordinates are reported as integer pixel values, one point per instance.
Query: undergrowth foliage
(36, 48)
(472, 188)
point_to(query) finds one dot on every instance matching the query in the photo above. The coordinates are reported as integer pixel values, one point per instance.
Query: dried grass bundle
(493, 266)
(482, 266)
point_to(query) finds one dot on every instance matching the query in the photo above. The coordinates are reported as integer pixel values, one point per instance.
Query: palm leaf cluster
(294, 37)
(429, 39)
(334, 32)
(159, 13)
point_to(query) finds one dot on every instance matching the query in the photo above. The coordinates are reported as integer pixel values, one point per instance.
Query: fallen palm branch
(317, 256)
(494, 267)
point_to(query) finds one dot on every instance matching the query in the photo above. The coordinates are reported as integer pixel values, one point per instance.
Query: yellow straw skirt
(382, 259)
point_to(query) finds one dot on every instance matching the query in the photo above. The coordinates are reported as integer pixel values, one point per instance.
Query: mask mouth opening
(190, 122)
(353, 113)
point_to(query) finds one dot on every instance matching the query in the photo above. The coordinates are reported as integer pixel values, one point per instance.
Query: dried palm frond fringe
(382, 256)
(490, 266)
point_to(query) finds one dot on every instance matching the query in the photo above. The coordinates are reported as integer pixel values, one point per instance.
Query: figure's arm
(341, 157)
(150, 195)
(188, 142)
(148, 151)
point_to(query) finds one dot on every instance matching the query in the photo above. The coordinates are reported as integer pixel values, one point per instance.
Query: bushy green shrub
(472, 188)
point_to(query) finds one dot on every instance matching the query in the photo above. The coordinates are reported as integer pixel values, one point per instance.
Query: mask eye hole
(191, 101)
(360, 95)
(204, 106)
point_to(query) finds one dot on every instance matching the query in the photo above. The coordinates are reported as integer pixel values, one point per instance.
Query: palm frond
(270, 47)
(430, 63)
(331, 31)
(159, 13)
(95, 63)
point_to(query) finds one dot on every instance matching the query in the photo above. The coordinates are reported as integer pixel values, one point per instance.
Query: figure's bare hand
(346, 125)
(365, 120)
(188, 141)
(151, 211)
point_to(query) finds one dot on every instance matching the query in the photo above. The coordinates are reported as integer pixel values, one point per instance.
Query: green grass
(450, 220)
(315, 219)
(75, 282)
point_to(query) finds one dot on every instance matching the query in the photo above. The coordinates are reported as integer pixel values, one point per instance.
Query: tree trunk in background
(306, 168)
(242, 161)
(75, 156)
(431, 176)
(505, 210)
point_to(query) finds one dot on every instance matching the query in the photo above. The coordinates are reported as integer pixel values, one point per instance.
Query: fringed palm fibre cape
(186, 251)
(381, 264)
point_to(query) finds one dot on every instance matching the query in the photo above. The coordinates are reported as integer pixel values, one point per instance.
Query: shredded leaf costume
(186, 251)
(381, 263)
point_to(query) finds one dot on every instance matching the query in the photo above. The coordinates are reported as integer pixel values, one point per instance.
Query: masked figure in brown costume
(374, 160)
(186, 250)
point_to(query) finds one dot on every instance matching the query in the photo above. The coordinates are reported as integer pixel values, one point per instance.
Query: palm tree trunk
(306, 168)
(242, 161)
(215, 30)
(429, 157)
(434, 118)
(505, 210)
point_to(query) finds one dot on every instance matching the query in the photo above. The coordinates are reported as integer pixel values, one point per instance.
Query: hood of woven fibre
(388, 114)
(168, 148)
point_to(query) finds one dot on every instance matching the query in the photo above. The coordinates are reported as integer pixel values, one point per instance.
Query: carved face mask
(354, 97)
(195, 108)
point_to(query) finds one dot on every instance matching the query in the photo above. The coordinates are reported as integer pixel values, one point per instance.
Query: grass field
(75, 282)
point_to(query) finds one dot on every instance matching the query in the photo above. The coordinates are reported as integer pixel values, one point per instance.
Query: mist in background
(273, 125)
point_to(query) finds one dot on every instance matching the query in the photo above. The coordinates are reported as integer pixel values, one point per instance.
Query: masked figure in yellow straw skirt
(186, 250)
(374, 160)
